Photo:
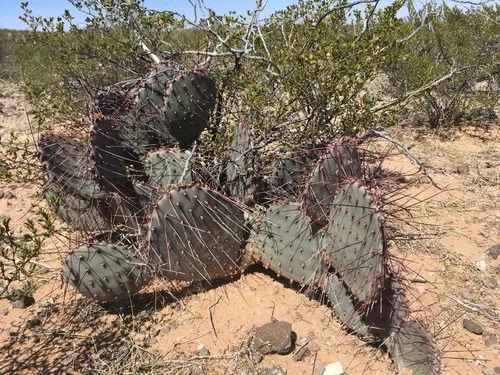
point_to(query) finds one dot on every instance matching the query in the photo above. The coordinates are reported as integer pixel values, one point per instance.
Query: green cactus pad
(189, 102)
(150, 101)
(166, 167)
(412, 347)
(105, 272)
(117, 104)
(289, 174)
(196, 234)
(285, 244)
(354, 242)
(345, 308)
(337, 166)
(110, 158)
(84, 214)
(240, 170)
(388, 311)
(68, 166)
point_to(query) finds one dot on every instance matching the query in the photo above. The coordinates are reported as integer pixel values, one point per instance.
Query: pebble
(488, 371)
(334, 369)
(319, 368)
(468, 296)
(276, 370)
(490, 340)
(20, 300)
(302, 353)
(494, 251)
(481, 265)
(491, 282)
(497, 370)
(473, 326)
(202, 351)
(463, 169)
(274, 338)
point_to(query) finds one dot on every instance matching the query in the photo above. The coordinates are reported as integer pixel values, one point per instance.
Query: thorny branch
(384, 134)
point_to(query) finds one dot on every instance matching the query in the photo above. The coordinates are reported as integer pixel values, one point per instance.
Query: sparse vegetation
(287, 116)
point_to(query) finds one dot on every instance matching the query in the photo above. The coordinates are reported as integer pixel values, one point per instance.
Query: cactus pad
(196, 234)
(105, 272)
(344, 306)
(284, 243)
(240, 170)
(189, 102)
(110, 157)
(339, 165)
(166, 167)
(288, 175)
(412, 347)
(68, 165)
(355, 244)
(150, 101)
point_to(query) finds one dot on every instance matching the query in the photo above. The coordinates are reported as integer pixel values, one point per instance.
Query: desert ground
(447, 260)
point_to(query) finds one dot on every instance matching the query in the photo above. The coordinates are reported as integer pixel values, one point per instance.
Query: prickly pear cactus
(117, 104)
(168, 167)
(242, 178)
(412, 347)
(388, 311)
(67, 165)
(337, 166)
(345, 307)
(150, 102)
(110, 157)
(189, 102)
(85, 214)
(196, 234)
(105, 272)
(285, 244)
(288, 175)
(354, 242)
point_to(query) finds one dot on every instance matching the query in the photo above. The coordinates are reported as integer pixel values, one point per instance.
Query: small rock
(46, 303)
(276, 370)
(33, 322)
(20, 300)
(257, 358)
(8, 195)
(494, 251)
(3, 168)
(481, 265)
(490, 282)
(202, 351)
(319, 368)
(472, 326)
(488, 371)
(490, 340)
(313, 347)
(334, 369)
(275, 337)
(497, 370)
(462, 169)
(468, 296)
(302, 353)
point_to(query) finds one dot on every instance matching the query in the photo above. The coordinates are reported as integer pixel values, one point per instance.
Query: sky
(10, 10)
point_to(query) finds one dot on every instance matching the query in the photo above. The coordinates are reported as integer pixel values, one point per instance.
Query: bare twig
(382, 133)
(211, 317)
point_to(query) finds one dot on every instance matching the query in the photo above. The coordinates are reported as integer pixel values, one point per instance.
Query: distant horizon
(9, 17)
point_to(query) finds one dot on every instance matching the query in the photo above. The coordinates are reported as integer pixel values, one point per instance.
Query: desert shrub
(454, 50)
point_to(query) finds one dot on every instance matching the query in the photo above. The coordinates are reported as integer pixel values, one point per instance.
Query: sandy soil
(199, 330)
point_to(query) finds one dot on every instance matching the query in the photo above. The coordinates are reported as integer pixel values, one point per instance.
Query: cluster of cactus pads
(153, 208)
